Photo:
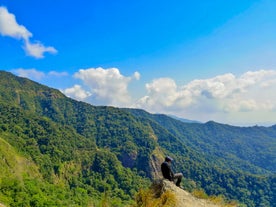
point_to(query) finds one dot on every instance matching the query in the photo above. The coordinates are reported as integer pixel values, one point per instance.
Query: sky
(200, 60)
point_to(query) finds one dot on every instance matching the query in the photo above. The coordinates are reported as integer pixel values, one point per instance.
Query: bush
(149, 198)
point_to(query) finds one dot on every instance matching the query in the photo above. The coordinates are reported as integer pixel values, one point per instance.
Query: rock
(183, 198)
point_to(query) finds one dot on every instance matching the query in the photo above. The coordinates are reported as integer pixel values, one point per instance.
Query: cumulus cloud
(225, 98)
(106, 86)
(10, 27)
(162, 93)
(251, 92)
(77, 92)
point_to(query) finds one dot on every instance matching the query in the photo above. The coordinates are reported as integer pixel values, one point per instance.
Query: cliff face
(156, 158)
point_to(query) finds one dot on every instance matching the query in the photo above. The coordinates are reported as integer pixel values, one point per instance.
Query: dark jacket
(167, 171)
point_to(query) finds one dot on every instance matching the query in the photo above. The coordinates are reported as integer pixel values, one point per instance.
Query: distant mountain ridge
(224, 141)
(184, 120)
(91, 150)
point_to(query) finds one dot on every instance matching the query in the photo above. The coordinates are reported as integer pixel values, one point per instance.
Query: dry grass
(218, 200)
(200, 194)
(152, 198)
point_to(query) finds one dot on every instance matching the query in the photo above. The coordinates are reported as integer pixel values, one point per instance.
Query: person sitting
(168, 173)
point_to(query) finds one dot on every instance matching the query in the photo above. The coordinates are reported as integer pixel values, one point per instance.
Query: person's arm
(171, 173)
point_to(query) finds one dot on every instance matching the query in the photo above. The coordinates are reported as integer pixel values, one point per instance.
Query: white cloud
(248, 98)
(136, 75)
(10, 27)
(29, 73)
(77, 92)
(161, 93)
(37, 49)
(107, 86)
(215, 97)
(37, 75)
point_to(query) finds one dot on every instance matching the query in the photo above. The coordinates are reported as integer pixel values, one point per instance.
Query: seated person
(168, 173)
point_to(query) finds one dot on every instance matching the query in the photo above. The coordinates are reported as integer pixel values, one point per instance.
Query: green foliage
(252, 149)
(81, 153)
(212, 171)
(23, 186)
(35, 192)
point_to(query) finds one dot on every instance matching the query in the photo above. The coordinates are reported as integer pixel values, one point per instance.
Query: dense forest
(56, 151)
(251, 149)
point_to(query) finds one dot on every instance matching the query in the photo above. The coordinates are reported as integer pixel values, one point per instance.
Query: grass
(155, 197)
(218, 200)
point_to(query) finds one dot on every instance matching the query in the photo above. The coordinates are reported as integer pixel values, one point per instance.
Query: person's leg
(178, 176)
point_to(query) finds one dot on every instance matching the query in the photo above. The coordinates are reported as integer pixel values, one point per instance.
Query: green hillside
(21, 183)
(216, 172)
(252, 149)
(84, 155)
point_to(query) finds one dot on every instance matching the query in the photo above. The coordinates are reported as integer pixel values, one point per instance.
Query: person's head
(168, 159)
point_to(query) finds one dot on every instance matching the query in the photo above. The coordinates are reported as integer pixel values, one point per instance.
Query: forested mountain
(72, 152)
(252, 149)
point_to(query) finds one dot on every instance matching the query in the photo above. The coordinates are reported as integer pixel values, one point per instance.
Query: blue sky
(202, 60)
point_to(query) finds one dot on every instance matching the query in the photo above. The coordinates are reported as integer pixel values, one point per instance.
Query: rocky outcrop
(182, 197)
(156, 158)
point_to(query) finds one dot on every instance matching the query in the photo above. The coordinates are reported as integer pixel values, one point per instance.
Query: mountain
(183, 120)
(252, 149)
(84, 155)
